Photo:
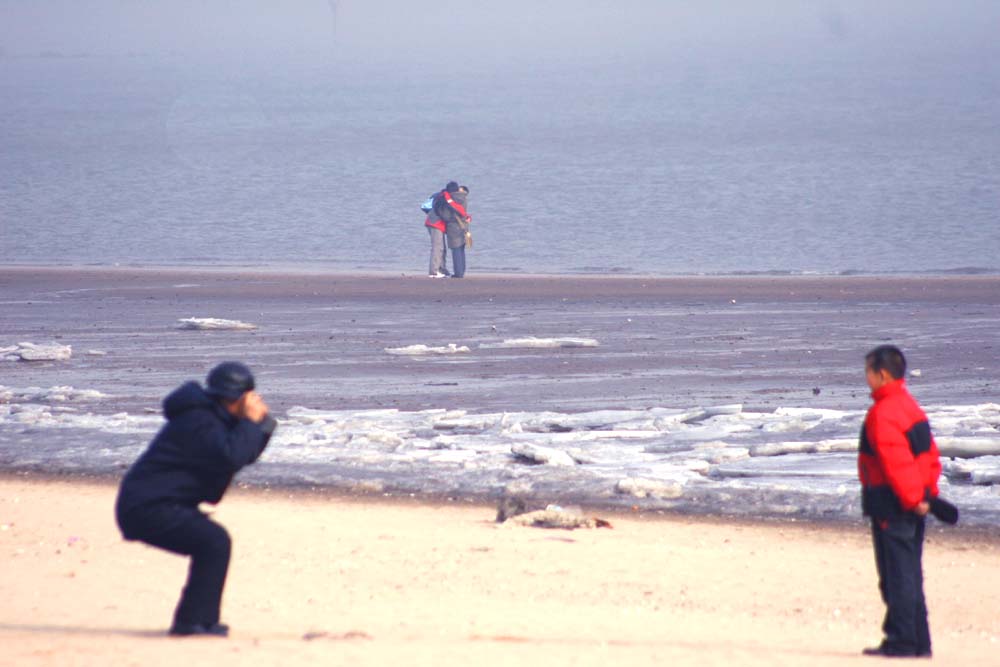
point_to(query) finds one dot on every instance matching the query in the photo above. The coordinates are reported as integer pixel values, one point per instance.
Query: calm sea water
(695, 167)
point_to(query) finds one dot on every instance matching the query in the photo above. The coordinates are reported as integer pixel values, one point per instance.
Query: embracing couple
(448, 221)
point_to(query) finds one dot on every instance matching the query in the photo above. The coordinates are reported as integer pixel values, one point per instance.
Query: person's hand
(922, 508)
(254, 407)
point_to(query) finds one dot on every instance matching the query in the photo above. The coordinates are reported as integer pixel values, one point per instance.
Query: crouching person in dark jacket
(210, 434)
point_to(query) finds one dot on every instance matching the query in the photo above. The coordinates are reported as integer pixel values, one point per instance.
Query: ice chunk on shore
(979, 471)
(781, 448)
(57, 394)
(719, 452)
(543, 343)
(544, 455)
(416, 350)
(830, 467)
(649, 488)
(213, 324)
(985, 477)
(33, 352)
(967, 448)
(378, 436)
(39, 415)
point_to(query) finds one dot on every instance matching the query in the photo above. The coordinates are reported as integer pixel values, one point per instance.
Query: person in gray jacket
(452, 209)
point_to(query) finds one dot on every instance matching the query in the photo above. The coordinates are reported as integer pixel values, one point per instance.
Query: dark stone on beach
(508, 507)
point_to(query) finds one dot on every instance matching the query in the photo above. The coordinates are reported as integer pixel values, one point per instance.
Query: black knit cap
(229, 380)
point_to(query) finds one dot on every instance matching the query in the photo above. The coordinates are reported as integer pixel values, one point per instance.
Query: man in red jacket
(898, 465)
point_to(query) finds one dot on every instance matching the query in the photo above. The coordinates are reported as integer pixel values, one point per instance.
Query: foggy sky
(499, 34)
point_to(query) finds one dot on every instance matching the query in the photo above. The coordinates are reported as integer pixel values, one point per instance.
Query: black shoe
(886, 651)
(190, 630)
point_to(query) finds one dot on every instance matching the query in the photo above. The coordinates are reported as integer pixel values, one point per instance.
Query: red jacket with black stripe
(898, 461)
(434, 219)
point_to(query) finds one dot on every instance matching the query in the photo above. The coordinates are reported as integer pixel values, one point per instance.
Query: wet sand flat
(675, 342)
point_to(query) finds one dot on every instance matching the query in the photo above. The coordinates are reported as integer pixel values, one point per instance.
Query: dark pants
(899, 545)
(458, 262)
(209, 546)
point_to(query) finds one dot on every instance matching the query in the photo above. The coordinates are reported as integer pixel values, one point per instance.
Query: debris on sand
(513, 512)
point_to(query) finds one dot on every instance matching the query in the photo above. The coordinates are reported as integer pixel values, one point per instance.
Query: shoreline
(317, 492)
(308, 269)
(269, 283)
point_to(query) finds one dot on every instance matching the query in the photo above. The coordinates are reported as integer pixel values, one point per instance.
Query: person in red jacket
(899, 466)
(436, 228)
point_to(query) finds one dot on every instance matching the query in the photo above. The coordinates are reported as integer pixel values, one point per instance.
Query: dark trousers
(899, 546)
(458, 262)
(209, 546)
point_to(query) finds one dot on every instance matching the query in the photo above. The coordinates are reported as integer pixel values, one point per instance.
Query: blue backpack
(428, 205)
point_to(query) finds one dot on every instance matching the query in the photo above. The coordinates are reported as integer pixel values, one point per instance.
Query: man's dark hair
(889, 358)
(451, 187)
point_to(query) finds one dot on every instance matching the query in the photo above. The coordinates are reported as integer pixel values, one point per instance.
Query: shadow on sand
(80, 630)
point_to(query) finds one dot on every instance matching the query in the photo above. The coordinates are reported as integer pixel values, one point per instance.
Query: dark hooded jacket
(191, 460)
(455, 224)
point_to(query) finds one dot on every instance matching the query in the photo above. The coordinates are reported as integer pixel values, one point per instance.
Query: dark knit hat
(229, 380)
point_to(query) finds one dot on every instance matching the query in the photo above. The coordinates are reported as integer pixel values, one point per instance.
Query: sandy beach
(320, 579)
